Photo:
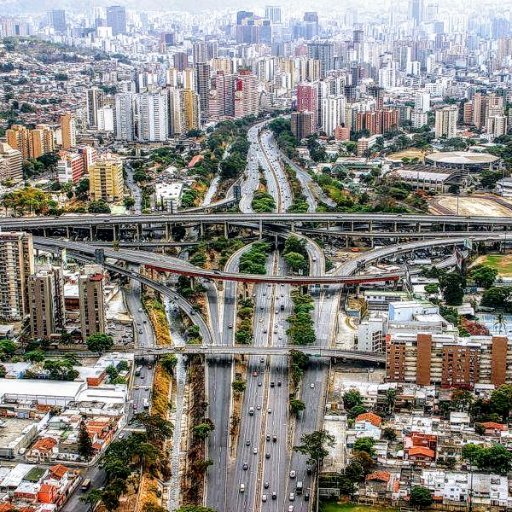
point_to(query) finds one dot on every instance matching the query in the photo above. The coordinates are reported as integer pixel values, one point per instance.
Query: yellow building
(106, 179)
(190, 109)
(31, 143)
(18, 138)
(40, 141)
(68, 131)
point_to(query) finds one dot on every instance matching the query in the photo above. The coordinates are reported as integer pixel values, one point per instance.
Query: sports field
(501, 262)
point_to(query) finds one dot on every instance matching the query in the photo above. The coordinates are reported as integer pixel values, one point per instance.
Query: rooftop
(461, 158)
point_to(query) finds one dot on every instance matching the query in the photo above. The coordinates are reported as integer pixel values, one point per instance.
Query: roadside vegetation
(254, 260)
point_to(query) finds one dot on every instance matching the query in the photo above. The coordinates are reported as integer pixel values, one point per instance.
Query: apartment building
(106, 179)
(46, 294)
(16, 265)
(446, 360)
(92, 301)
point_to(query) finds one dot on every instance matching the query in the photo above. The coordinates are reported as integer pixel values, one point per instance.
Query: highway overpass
(172, 265)
(212, 350)
(350, 222)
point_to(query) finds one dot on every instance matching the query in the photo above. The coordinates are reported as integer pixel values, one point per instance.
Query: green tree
(296, 405)
(92, 497)
(7, 349)
(99, 342)
(389, 434)
(112, 372)
(34, 356)
(295, 261)
(432, 288)
(98, 206)
(84, 442)
(202, 431)
(315, 445)
(239, 385)
(3, 371)
(501, 401)
(351, 398)
(168, 363)
(452, 287)
(484, 276)
(420, 497)
(157, 428)
(365, 444)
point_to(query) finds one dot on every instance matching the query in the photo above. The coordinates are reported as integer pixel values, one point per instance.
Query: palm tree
(500, 322)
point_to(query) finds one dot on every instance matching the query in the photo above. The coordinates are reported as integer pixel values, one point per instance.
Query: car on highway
(306, 496)
(268, 437)
(274, 495)
(266, 485)
(248, 442)
(269, 411)
(292, 496)
(264, 498)
(267, 455)
(245, 466)
(290, 508)
(242, 487)
(251, 411)
(255, 450)
(274, 439)
(272, 384)
(254, 373)
(230, 326)
(278, 383)
(258, 407)
(259, 383)
(293, 474)
(312, 386)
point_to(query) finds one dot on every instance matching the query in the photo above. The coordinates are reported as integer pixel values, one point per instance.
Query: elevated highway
(347, 221)
(176, 266)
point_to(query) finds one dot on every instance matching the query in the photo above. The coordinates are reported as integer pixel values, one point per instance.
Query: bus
(138, 371)
(85, 484)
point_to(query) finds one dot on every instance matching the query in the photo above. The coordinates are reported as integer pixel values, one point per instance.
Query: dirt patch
(471, 205)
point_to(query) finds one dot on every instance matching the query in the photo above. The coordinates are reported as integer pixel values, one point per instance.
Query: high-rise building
(246, 94)
(57, 20)
(333, 113)
(18, 138)
(324, 53)
(202, 80)
(497, 125)
(16, 265)
(124, 117)
(11, 163)
(302, 124)
(446, 122)
(175, 112)
(116, 18)
(46, 296)
(180, 60)
(422, 101)
(94, 98)
(106, 119)
(106, 179)
(416, 10)
(92, 301)
(199, 52)
(273, 13)
(307, 100)
(68, 131)
(222, 97)
(152, 116)
(190, 110)
(41, 141)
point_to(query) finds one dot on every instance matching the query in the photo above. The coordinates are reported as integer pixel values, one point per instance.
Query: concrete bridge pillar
(167, 231)
(201, 229)
(114, 234)
(371, 226)
(260, 231)
(138, 232)
(226, 230)
(67, 233)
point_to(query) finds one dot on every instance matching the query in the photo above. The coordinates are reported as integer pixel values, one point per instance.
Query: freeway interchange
(253, 463)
